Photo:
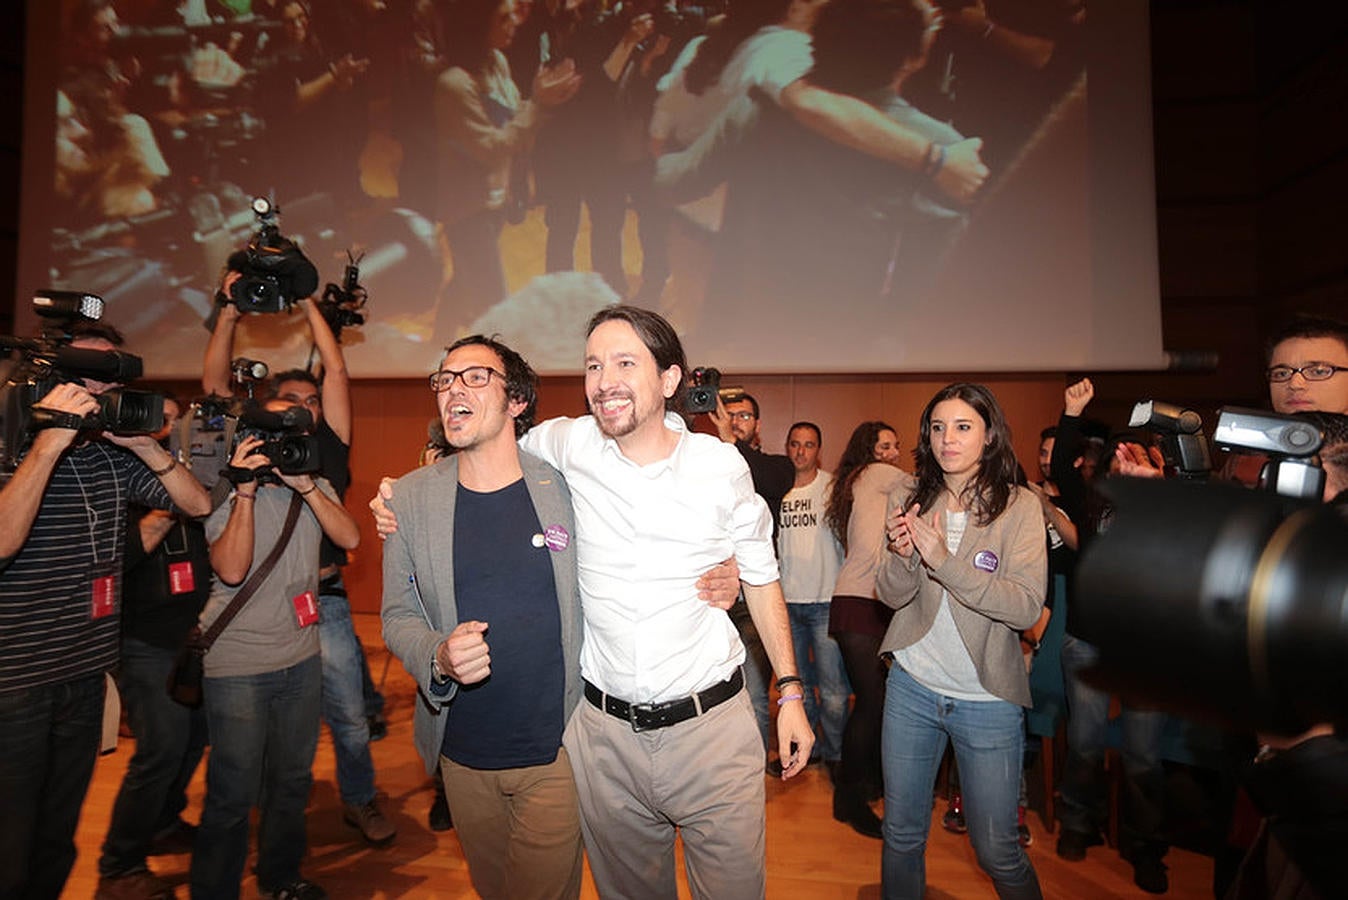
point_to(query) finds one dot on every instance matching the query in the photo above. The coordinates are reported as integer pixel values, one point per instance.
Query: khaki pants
(519, 828)
(704, 776)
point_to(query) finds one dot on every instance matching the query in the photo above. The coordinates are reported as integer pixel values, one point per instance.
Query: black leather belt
(649, 716)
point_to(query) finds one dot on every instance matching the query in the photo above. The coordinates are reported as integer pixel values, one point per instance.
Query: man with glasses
(481, 606)
(1308, 366)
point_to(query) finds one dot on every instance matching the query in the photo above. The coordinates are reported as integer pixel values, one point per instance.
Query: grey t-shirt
(266, 635)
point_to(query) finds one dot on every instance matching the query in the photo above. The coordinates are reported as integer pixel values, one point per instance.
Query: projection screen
(788, 183)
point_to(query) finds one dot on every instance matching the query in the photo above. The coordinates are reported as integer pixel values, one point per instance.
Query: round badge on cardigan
(985, 560)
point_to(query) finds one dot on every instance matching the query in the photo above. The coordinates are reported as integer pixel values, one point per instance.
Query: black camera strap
(260, 574)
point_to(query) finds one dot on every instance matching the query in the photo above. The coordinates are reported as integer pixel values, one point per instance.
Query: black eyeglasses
(473, 377)
(1316, 371)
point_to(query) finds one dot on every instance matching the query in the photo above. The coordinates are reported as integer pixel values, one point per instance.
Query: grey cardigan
(996, 581)
(419, 609)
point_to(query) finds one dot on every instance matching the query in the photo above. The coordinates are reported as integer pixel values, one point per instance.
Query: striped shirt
(48, 632)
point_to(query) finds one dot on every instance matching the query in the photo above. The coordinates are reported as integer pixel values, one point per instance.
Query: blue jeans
(170, 739)
(1083, 785)
(988, 744)
(264, 730)
(820, 662)
(344, 695)
(49, 737)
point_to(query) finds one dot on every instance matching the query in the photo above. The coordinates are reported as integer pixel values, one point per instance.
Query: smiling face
(886, 448)
(625, 389)
(477, 417)
(1297, 394)
(958, 436)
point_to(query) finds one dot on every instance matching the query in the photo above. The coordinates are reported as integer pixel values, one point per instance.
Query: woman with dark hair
(965, 574)
(481, 125)
(855, 512)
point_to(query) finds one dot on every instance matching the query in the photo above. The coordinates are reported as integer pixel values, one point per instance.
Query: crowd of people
(585, 687)
(801, 145)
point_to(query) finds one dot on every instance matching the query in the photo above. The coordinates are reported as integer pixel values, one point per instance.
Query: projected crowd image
(804, 184)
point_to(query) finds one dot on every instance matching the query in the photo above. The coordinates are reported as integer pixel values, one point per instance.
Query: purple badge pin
(557, 538)
(985, 560)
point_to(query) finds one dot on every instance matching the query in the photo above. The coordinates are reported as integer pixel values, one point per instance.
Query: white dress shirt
(646, 534)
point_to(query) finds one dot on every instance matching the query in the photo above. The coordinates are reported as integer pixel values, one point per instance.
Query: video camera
(699, 395)
(1220, 602)
(341, 305)
(275, 272)
(49, 360)
(285, 441)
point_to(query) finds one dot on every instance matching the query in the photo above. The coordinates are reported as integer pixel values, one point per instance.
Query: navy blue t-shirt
(503, 576)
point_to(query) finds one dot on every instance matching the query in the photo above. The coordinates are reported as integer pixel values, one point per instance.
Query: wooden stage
(810, 856)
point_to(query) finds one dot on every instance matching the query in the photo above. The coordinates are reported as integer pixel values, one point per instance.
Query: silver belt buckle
(633, 709)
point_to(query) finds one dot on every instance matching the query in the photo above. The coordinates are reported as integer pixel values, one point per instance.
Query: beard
(614, 426)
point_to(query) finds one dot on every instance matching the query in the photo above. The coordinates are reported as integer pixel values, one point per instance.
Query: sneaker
(300, 889)
(173, 840)
(439, 818)
(376, 829)
(138, 885)
(1149, 873)
(1022, 828)
(1072, 844)
(378, 727)
(953, 820)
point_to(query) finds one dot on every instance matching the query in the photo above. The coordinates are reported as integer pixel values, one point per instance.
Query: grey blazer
(419, 609)
(996, 583)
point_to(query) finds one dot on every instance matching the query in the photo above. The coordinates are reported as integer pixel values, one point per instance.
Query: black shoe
(1149, 873)
(774, 768)
(857, 814)
(1072, 844)
(439, 818)
(300, 889)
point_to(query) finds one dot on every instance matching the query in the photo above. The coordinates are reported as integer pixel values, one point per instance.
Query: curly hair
(860, 452)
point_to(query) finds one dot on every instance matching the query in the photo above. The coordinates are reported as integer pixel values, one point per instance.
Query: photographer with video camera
(64, 513)
(329, 403)
(263, 685)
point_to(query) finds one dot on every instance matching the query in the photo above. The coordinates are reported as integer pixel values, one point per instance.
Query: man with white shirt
(810, 556)
(666, 738)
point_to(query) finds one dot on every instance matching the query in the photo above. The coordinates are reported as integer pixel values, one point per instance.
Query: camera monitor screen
(831, 186)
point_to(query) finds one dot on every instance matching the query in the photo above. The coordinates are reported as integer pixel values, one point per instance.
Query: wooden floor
(809, 855)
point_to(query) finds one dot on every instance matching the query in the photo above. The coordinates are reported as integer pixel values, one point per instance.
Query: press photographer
(348, 708)
(63, 518)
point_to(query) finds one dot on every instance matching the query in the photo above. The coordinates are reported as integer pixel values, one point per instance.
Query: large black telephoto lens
(131, 412)
(1220, 603)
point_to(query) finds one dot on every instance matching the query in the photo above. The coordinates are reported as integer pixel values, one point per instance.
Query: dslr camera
(1220, 602)
(285, 440)
(699, 395)
(49, 360)
(275, 272)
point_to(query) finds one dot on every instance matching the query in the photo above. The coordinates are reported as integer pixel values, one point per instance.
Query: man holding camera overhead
(263, 686)
(62, 525)
(329, 403)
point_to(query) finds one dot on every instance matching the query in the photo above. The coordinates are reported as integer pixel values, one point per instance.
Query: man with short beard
(667, 737)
